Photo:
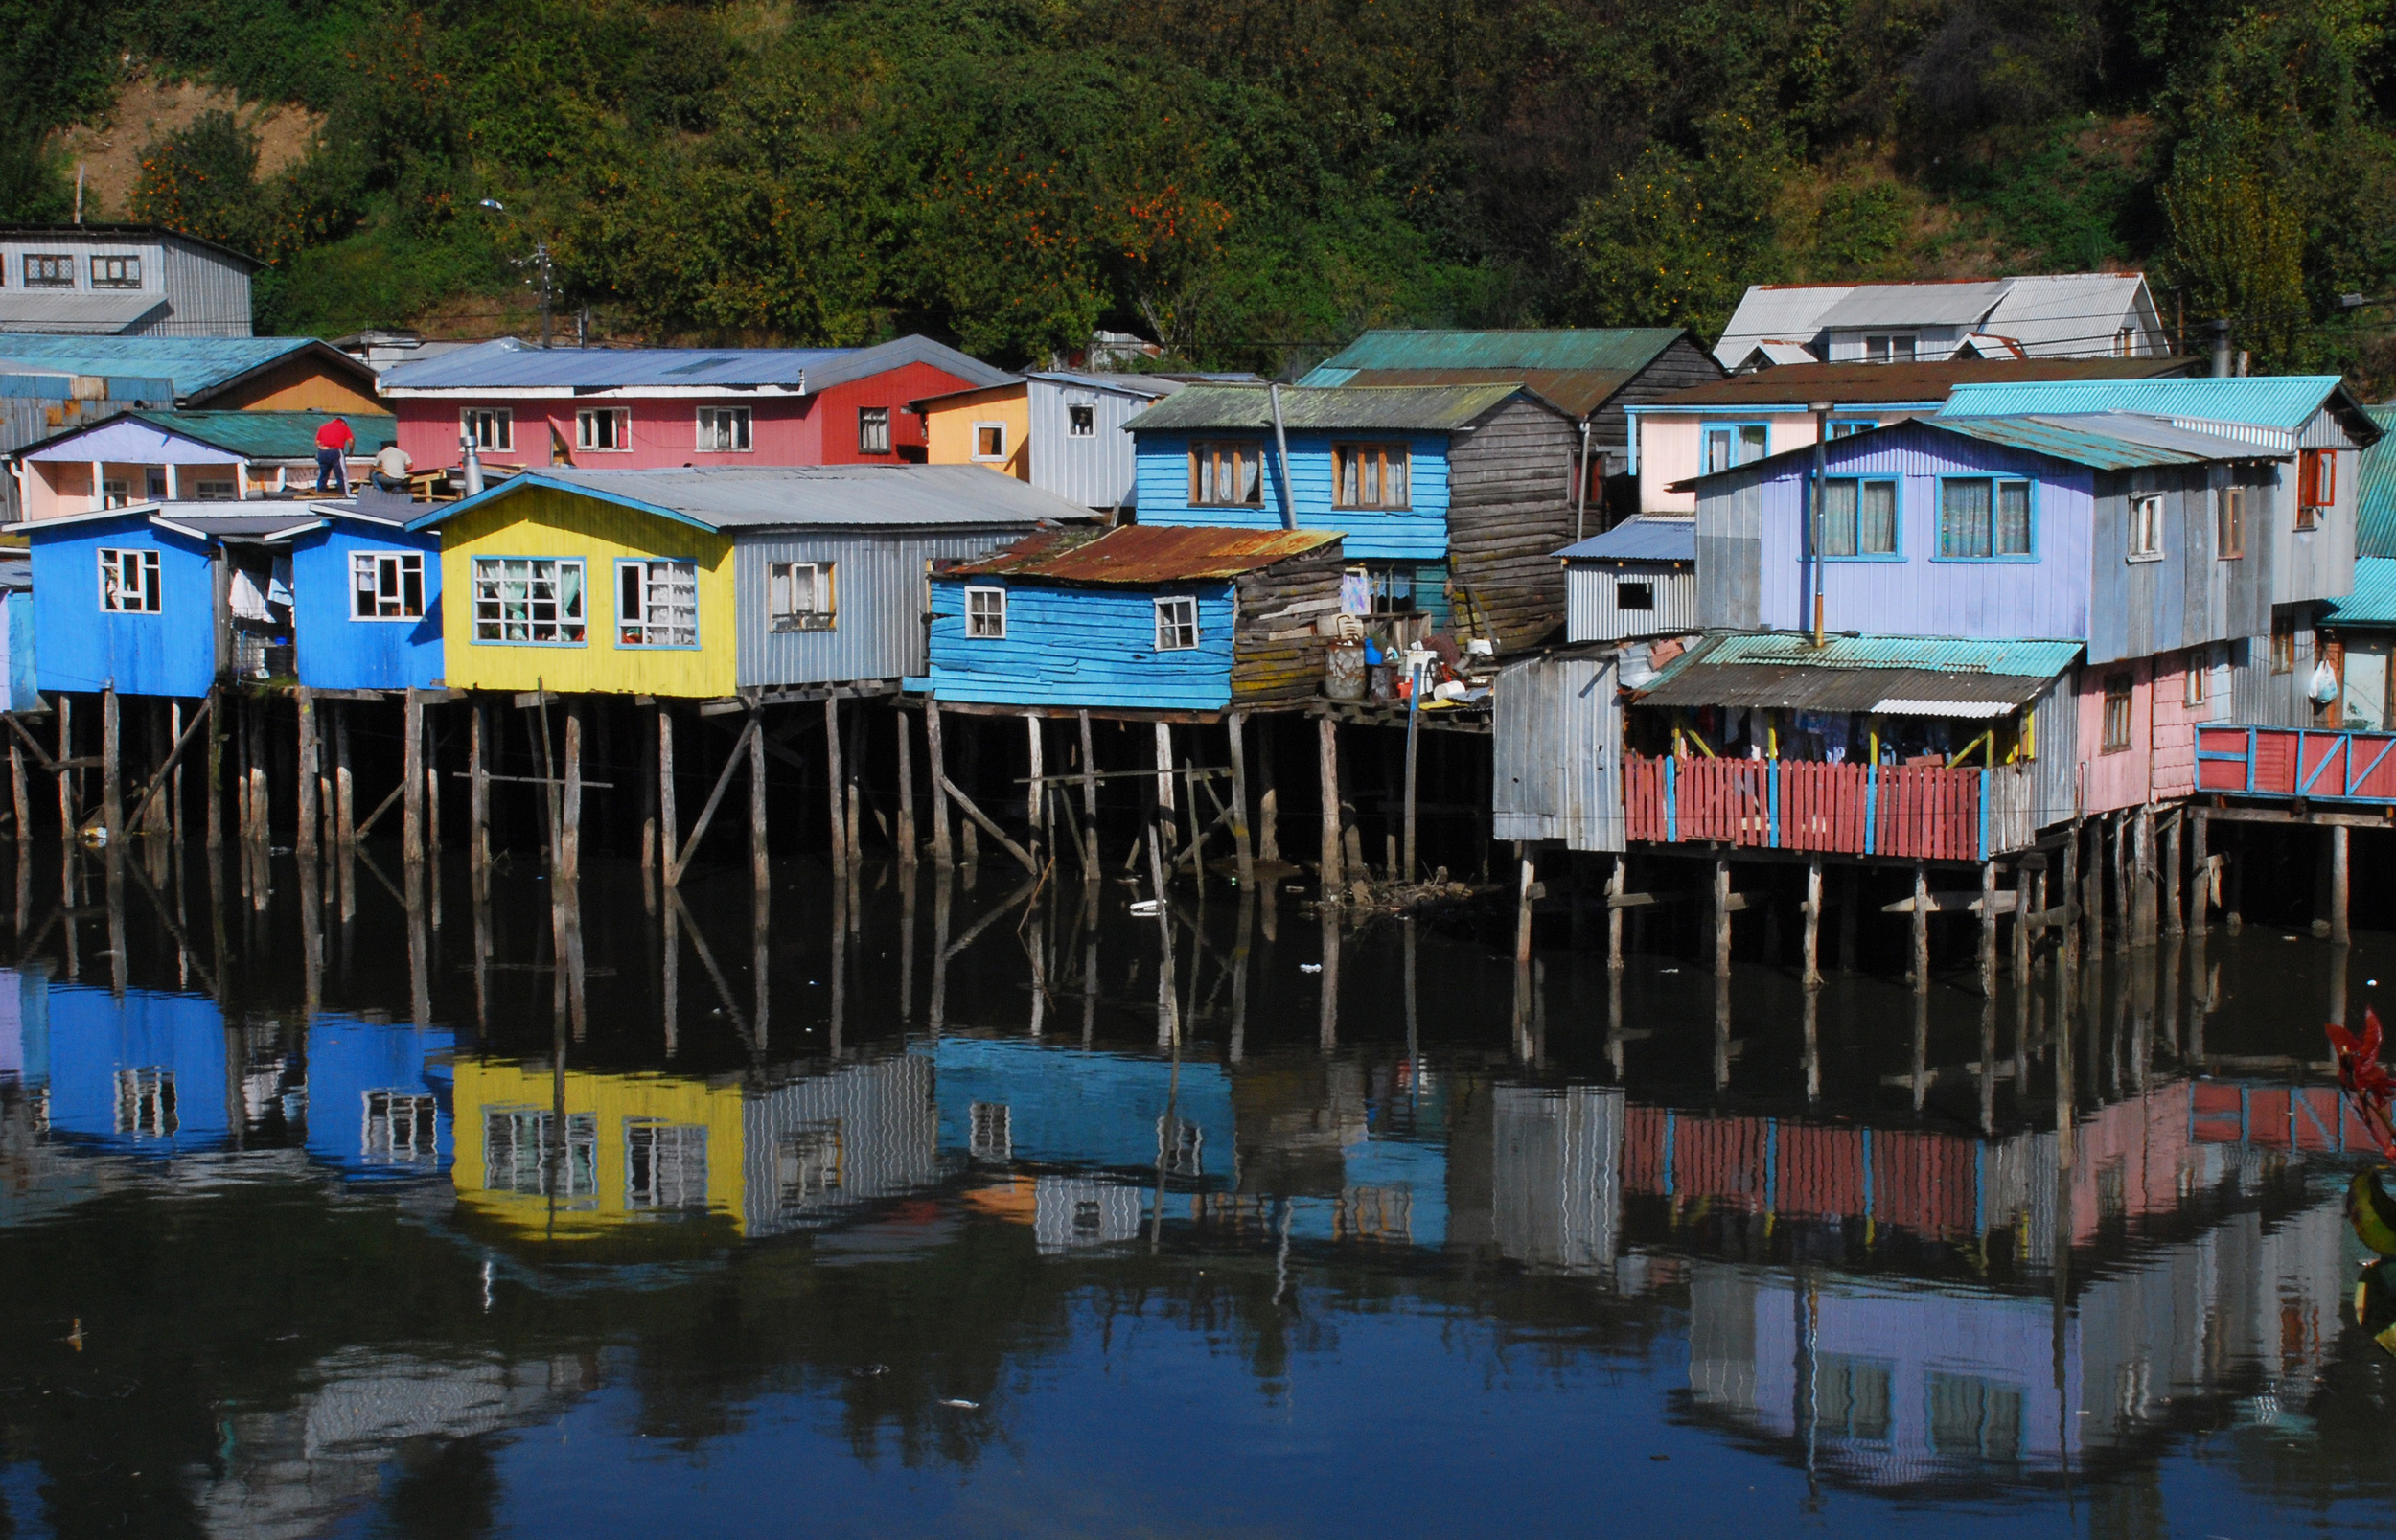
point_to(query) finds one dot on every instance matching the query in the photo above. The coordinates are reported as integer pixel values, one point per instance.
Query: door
(2362, 702)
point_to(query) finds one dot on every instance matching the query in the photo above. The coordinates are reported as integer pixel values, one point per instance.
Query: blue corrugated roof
(197, 365)
(509, 364)
(2108, 441)
(1639, 539)
(1624, 348)
(2373, 602)
(2285, 402)
(2375, 490)
(2036, 659)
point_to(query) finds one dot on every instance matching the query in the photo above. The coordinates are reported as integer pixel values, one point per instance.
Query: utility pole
(1821, 463)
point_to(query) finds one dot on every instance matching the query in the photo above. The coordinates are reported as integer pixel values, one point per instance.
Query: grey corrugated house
(122, 280)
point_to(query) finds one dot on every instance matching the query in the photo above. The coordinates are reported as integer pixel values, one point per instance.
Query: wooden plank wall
(1276, 653)
(1511, 509)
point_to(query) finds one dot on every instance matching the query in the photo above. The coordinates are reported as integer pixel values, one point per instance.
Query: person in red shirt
(332, 448)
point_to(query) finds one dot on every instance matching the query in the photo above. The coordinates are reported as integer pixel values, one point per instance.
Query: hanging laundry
(279, 585)
(244, 598)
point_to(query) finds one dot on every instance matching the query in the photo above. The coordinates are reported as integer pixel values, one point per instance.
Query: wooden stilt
(1268, 801)
(2199, 877)
(937, 767)
(1987, 933)
(2119, 830)
(67, 829)
(111, 768)
(412, 797)
(1165, 782)
(1922, 928)
(2024, 923)
(1327, 764)
(432, 809)
(1197, 837)
(1090, 801)
(2173, 923)
(760, 879)
(478, 796)
(570, 807)
(669, 827)
(838, 805)
(2339, 935)
(1524, 889)
(344, 784)
(2071, 897)
(649, 798)
(21, 804)
(1036, 785)
(1811, 978)
(1236, 728)
(906, 794)
(1721, 919)
(1411, 870)
(305, 845)
(215, 777)
(852, 762)
(1617, 886)
(2143, 919)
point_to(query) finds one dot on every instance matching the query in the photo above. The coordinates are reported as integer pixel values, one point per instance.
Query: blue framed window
(1842, 428)
(656, 602)
(530, 601)
(1730, 445)
(1858, 516)
(1986, 519)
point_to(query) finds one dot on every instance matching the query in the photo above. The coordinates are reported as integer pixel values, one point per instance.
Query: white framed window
(2199, 663)
(129, 582)
(386, 586)
(665, 1164)
(399, 1128)
(873, 431)
(488, 427)
(1081, 422)
(1981, 517)
(48, 270)
(1728, 447)
(146, 1102)
(2146, 526)
(604, 429)
(1177, 624)
(115, 492)
(656, 604)
(530, 600)
(989, 441)
(215, 492)
(2230, 523)
(985, 613)
(801, 596)
(1898, 349)
(989, 1131)
(116, 272)
(724, 431)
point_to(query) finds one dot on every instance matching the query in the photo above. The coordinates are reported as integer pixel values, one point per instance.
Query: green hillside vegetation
(1251, 181)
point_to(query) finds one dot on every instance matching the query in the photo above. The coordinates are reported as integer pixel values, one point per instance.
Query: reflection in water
(610, 1211)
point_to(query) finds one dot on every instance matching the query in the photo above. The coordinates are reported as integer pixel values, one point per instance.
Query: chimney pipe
(2221, 349)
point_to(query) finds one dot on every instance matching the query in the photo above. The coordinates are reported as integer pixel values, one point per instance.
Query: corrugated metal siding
(1730, 556)
(1418, 534)
(878, 588)
(2318, 563)
(1098, 471)
(207, 296)
(2267, 700)
(1916, 595)
(816, 1149)
(2055, 737)
(1082, 647)
(1591, 615)
(23, 693)
(2375, 490)
(170, 653)
(1558, 742)
(2190, 597)
(337, 650)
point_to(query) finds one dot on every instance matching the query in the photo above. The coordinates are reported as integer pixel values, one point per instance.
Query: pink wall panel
(2122, 778)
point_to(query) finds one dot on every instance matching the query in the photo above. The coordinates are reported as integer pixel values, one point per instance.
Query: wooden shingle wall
(1276, 653)
(1511, 510)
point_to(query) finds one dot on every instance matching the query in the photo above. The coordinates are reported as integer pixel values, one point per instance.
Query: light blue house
(1451, 497)
(1137, 618)
(126, 598)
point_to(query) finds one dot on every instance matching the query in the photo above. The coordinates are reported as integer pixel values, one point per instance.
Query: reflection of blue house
(378, 1101)
(24, 1026)
(1006, 1101)
(143, 1073)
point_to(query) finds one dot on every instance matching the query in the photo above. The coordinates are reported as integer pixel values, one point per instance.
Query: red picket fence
(1822, 805)
(1928, 812)
(1726, 799)
(1918, 811)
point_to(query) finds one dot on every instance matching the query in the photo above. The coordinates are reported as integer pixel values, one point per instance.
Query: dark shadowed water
(907, 1215)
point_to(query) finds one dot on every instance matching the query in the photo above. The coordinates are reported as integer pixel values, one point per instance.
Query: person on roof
(334, 440)
(391, 468)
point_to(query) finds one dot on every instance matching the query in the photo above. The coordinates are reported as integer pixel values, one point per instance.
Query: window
(1081, 422)
(1177, 625)
(386, 586)
(808, 1162)
(985, 613)
(656, 604)
(535, 599)
(215, 492)
(2284, 644)
(2116, 713)
(1888, 348)
(1730, 447)
(519, 1153)
(116, 272)
(2316, 485)
(989, 441)
(665, 1164)
(1629, 595)
(608, 429)
(1980, 517)
(1852, 1397)
(116, 492)
(2230, 523)
(1849, 428)
(2125, 342)
(724, 431)
(49, 271)
(2199, 678)
(1226, 475)
(145, 1103)
(988, 1135)
(488, 427)
(1370, 475)
(399, 1128)
(2146, 526)
(1858, 516)
(129, 582)
(873, 431)
(1973, 1418)
(800, 595)
(1390, 590)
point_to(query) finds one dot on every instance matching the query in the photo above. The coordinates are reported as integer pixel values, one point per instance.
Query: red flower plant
(2365, 1079)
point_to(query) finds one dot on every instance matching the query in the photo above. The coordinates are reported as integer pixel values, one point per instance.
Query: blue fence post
(1984, 814)
(1772, 801)
(1671, 798)
(1871, 804)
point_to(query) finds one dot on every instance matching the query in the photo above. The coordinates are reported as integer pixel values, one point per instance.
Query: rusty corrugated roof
(1872, 384)
(1147, 553)
(1575, 371)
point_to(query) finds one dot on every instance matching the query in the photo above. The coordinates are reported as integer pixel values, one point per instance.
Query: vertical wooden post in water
(344, 785)
(2339, 835)
(2200, 873)
(216, 776)
(938, 766)
(305, 845)
(2173, 923)
(1165, 785)
(669, 826)
(906, 794)
(1036, 787)
(478, 793)
(1328, 767)
(2143, 921)
(832, 781)
(111, 768)
(2070, 896)
(759, 879)
(1811, 978)
(66, 777)
(2024, 920)
(1921, 929)
(649, 798)
(1089, 803)
(852, 761)
(20, 803)
(412, 789)
(1524, 883)
(570, 822)
(1617, 885)
(1236, 724)
(1988, 935)
(1721, 919)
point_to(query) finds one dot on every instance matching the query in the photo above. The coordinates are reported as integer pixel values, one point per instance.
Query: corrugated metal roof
(1947, 655)
(1153, 387)
(2373, 602)
(508, 363)
(197, 365)
(2375, 490)
(1914, 305)
(1883, 691)
(2283, 403)
(94, 314)
(1797, 385)
(1639, 539)
(2111, 441)
(210, 518)
(1574, 371)
(1144, 553)
(769, 496)
(1398, 408)
(272, 435)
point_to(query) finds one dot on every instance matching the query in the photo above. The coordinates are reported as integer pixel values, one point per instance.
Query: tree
(1677, 239)
(2237, 238)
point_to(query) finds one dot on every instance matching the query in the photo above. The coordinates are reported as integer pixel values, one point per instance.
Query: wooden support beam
(2339, 837)
(680, 864)
(1617, 883)
(1523, 896)
(995, 832)
(760, 879)
(2026, 921)
(1328, 767)
(1811, 977)
(67, 826)
(571, 803)
(1722, 912)
(381, 807)
(158, 781)
(111, 767)
(1089, 801)
(1236, 726)
(305, 845)
(344, 784)
(936, 772)
(2169, 871)
(478, 795)
(216, 774)
(1922, 928)
(1990, 908)
(669, 827)
(2199, 877)
(838, 809)
(19, 801)
(906, 789)
(412, 779)
(1036, 787)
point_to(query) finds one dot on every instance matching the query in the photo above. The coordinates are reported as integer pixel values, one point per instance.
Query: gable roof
(2042, 313)
(1797, 385)
(1576, 369)
(724, 497)
(1906, 676)
(200, 367)
(1644, 538)
(1347, 409)
(1139, 555)
(244, 435)
(509, 364)
(123, 234)
(2375, 490)
(2116, 441)
(209, 520)
(2277, 405)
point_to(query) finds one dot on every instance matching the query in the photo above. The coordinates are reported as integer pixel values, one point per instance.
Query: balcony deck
(2319, 766)
(1909, 812)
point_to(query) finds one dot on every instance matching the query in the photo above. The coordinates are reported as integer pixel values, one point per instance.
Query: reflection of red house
(649, 408)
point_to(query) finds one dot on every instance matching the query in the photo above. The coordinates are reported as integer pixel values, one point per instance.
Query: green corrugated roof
(1624, 348)
(1951, 654)
(2375, 490)
(2373, 602)
(271, 435)
(1362, 409)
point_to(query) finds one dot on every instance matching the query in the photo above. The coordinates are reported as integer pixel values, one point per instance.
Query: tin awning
(1880, 676)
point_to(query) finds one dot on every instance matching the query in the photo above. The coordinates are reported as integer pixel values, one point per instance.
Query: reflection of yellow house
(990, 427)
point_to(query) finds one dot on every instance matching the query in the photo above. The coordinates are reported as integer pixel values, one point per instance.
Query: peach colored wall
(2120, 779)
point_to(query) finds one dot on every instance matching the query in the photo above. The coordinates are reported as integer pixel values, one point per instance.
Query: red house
(646, 408)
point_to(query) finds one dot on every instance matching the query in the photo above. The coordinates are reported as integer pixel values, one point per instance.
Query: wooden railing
(2332, 766)
(1914, 812)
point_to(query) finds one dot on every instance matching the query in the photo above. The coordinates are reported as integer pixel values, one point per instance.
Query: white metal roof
(98, 315)
(1913, 305)
(2045, 314)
